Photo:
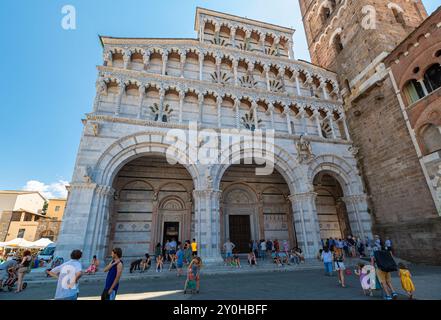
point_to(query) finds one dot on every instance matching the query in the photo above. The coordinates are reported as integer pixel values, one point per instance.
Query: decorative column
(319, 125)
(359, 217)
(281, 77)
(345, 126)
(286, 111)
(331, 124)
(291, 48)
(262, 42)
(256, 120)
(247, 40)
(251, 70)
(181, 104)
(126, 57)
(261, 216)
(121, 89)
(146, 59)
(218, 68)
(201, 65)
(202, 31)
(164, 62)
(141, 100)
(423, 85)
(306, 222)
(271, 111)
(323, 87)
(155, 233)
(219, 111)
(182, 65)
(296, 76)
(276, 44)
(200, 105)
(302, 117)
(100, 87)
(266, 69)
(207, 224)
(161, 103)
(235, 64)
(237, 108)
(233, 36)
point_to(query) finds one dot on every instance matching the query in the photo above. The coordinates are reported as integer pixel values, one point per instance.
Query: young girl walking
(406, 280)
(340, 266)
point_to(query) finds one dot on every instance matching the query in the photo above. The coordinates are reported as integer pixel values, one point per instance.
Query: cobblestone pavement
(300, 284)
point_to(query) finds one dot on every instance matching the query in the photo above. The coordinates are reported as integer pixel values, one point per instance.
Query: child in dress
(406, 280)
(363, 276)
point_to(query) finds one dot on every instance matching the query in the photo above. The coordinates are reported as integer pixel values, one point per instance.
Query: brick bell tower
(352, 38)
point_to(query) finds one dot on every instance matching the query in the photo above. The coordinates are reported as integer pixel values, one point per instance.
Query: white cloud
(53, 190)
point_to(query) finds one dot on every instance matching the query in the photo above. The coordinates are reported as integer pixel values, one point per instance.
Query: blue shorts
(229, 254)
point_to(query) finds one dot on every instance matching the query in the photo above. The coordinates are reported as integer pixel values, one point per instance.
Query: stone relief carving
(304, 151)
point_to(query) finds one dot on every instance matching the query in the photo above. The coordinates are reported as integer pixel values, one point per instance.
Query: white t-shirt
(66, 277)
(327, 256)
(263, 246)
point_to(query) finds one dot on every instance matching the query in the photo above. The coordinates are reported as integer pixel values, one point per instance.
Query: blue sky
(48, 73)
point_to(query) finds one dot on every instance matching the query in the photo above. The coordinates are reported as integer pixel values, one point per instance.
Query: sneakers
(394, 295)
(387, 298)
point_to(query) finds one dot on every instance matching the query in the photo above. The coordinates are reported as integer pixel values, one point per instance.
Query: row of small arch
(282, 106)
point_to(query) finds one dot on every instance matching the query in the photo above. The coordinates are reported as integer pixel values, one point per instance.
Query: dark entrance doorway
(240, 232)
(171, 231)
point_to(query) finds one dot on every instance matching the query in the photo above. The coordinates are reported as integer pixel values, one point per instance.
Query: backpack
(384, 261)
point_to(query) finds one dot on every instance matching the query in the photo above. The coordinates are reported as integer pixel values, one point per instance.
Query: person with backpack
(385, 265)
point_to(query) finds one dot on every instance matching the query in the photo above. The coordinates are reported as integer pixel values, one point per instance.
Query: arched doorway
(331, 210)
(255, 207)
(152, 204)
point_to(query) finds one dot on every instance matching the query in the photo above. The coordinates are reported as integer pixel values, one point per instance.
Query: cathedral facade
(238, 75)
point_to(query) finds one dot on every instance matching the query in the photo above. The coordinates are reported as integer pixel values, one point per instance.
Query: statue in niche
(87, 174)
(304, 151)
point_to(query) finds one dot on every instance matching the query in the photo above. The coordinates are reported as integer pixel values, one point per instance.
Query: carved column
(296, 76)
(302, 117)
(219, 111)
(235, 64)
(201, 106)
(251, 70)
(218, 68)
(331, 124)
(262, 41)
(291, 49)
(286, 111)
(121, 90)
(323, 87)
(126, 57)
(266, 69)
(181, 104)
(233, 36)
(276, 44)
(254, 109)
(164, 62)
(182, 65)
(247, 40)
(345, 127)
(317, 121)
(201, 66)
(161, 104)
(100, 87)
(271, 111)
(146, 59)
(155, 236)
(141, 100)
(260, 209)
(237, 108)
(306, 222)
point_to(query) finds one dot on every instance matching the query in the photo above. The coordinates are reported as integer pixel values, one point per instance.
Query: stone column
(207, 224)
(331, 124)
(296, 76)
(126, 58)
(247, 40)
(235, 64)
(98, 225)
(319, 125)
(302, 117)
(201, 66)
(276, 44)
(181, 104)
(164, 62)
(423, 85)
(291, 49)
(254, 109)
(161, 103)
(345, 127)
(146, 59)
(121, 89)
(262, 40)
(141, 99)
(155, 236)
(233, 36)
(359, 217)
(78, 211)
(286, 111)
(237, 108)
(182, 65)
(100, 87)
(271, 111)
(266, 69)
(219, 111)
(251, 70)
(218, 68)
(306, 223)
(325, 93)
(201, 106)
(261, 217)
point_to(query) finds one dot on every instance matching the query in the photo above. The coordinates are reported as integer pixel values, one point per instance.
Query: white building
(125, 194)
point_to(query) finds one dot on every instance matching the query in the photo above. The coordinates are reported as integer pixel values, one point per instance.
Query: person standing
(179, 260)
(262, 249)
(114, 269)
(22, 269)
(194, 248)
(68, 275)
(340, 266)
(327, 260)
(93, 266)
(406, 280)
(229, 246)
(388, 245)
